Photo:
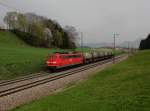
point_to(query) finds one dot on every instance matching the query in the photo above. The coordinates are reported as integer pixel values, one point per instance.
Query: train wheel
(52, 69)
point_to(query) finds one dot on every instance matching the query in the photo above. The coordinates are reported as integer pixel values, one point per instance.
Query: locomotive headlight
(51, 62)
(48, 62)
(54, 62)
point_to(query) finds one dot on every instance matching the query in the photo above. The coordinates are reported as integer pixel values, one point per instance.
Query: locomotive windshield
(52, 56)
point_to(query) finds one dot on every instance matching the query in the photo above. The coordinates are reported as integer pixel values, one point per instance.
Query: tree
(37, 30)
(11, 20)
(72, 35)
(22, 22)
(145, 44)
(48, 37)
(58, 39)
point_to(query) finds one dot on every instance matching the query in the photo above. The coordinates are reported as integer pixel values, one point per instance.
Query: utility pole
(114, 46)
(81, 41)
(128, 48)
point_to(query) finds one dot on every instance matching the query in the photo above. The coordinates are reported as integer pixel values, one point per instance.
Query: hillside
(123, 87)
(18, 58)
(8, 39)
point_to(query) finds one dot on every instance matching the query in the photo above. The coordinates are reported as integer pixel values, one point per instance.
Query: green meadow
(17, 58)
(123, 87)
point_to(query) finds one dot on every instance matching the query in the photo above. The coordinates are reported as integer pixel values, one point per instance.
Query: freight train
(60, 60)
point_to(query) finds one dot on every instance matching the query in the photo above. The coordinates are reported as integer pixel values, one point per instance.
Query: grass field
(123, 87)
(18, 58)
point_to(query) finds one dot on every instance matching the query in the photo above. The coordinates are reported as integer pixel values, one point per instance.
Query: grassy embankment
(18, 58)
(123, 87)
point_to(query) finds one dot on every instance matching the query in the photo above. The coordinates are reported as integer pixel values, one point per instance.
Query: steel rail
(7, 82)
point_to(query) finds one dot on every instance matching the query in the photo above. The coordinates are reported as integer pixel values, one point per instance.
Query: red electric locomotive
(60, 60)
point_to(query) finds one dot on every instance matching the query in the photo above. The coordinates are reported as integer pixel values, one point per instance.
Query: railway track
(18, 88)
(23, 78)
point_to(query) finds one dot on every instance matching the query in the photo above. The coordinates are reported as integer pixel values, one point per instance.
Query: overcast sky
(97, 19)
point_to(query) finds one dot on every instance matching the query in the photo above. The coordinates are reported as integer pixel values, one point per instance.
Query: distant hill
(133, 44)
(97, 45)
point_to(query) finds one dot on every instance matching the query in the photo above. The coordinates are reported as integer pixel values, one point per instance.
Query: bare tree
(72, 34)
(11, 20)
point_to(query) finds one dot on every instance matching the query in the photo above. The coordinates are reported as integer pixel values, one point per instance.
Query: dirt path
(19, 98)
